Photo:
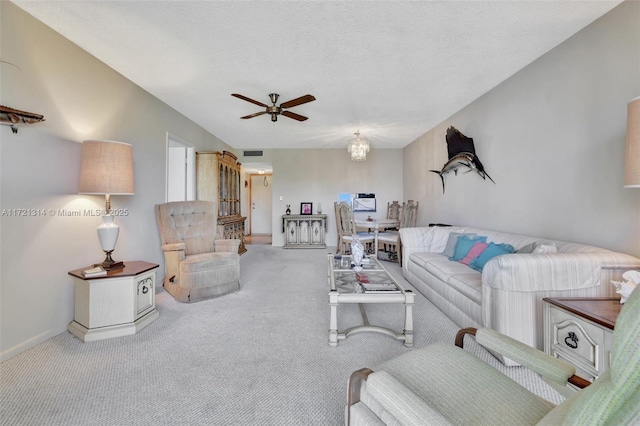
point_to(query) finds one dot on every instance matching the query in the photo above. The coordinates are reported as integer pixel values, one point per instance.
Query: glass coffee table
(371, 285)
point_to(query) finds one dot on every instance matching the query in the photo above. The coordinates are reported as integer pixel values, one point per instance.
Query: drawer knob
(145, 289)
(571, 340)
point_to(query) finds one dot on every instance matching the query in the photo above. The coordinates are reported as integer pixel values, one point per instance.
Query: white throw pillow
(440, 236)
(545, 249)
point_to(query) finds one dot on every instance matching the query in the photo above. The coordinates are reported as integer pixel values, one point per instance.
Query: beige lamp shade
(106, 168)
(632, 156)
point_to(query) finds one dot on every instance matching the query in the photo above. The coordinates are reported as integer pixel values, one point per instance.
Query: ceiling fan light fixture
(275, 110)
(358, 148)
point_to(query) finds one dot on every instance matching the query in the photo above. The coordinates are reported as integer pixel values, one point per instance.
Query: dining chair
(410, 213)
(394, 211)
(345, 228)
(390, 240)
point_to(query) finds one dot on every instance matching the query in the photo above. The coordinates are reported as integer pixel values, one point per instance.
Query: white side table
(580, 331)
(118, 304)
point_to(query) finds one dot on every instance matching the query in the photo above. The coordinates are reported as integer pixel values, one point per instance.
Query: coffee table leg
(333, 318)
(408, 318)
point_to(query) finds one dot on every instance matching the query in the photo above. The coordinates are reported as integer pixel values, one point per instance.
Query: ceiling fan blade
(297, 101)
(244, 98)
(254, 115)
(294, 115)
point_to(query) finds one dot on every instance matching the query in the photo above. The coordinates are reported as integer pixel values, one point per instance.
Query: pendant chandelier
(358, 148)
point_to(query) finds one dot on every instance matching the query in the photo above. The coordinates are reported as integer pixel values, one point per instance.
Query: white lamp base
(108, 234)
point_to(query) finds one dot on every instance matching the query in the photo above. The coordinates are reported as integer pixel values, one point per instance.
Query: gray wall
(553, 138)
(81, 99)
(319, 175)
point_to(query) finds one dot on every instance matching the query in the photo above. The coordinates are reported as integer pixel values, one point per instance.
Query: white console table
(304, 230)
(118, 304)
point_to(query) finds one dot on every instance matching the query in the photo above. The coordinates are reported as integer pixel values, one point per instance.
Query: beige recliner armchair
(199, 263)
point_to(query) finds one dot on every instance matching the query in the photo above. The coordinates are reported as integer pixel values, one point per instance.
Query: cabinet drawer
(576, 340)
(579, 370)
(145, 292)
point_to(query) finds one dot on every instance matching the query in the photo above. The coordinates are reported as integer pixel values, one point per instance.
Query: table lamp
(107, 169)
(632, 157)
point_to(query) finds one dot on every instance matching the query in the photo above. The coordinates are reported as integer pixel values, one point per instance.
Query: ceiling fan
(275, 110)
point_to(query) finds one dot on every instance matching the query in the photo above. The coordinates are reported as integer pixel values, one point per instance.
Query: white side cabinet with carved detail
(304, 231)
(580, 331)
(119, 304)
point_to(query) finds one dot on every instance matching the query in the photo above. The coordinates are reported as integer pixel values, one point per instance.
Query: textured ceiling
(392, 69)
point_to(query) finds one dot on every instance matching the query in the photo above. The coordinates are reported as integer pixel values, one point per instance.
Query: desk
(376, 224)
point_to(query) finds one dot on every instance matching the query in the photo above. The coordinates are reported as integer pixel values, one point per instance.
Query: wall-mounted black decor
(461, 152)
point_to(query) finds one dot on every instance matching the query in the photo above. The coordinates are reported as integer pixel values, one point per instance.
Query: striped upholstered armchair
(199, 263)
(443, 384)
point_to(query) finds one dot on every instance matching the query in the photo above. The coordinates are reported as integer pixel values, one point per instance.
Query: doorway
(180, 185)
(261, 204)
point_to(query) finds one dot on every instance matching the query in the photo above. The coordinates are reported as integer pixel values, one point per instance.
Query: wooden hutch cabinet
(218, 179)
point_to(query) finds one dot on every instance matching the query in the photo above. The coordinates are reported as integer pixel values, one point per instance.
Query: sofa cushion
(469, 283)
(442, 268)
(205, 261)
(452, 241)
(464, 244)
(457, 275)
(427, 372)
(489, 253)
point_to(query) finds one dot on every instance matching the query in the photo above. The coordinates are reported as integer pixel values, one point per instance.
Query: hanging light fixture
(358, 148)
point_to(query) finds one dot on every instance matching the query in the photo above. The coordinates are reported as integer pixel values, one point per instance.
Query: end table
(580, 331)
(120, 303)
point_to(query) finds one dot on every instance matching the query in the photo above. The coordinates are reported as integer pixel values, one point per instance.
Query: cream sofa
(507, 295)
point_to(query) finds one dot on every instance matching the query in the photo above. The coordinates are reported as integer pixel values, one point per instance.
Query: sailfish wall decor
(461, 152)
(14, 117)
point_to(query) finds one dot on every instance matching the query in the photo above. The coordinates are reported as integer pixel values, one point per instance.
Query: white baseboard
(28, 344)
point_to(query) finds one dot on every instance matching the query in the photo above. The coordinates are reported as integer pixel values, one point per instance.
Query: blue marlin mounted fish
(462, 153)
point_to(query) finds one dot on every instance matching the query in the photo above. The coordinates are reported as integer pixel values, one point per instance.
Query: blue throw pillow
(490, 252)
(464, 244)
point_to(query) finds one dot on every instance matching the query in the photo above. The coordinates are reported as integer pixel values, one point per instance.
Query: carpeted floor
(256, 357)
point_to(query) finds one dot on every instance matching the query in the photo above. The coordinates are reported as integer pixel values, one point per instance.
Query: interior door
(261, 204)
(176, 174)
(180, 171)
